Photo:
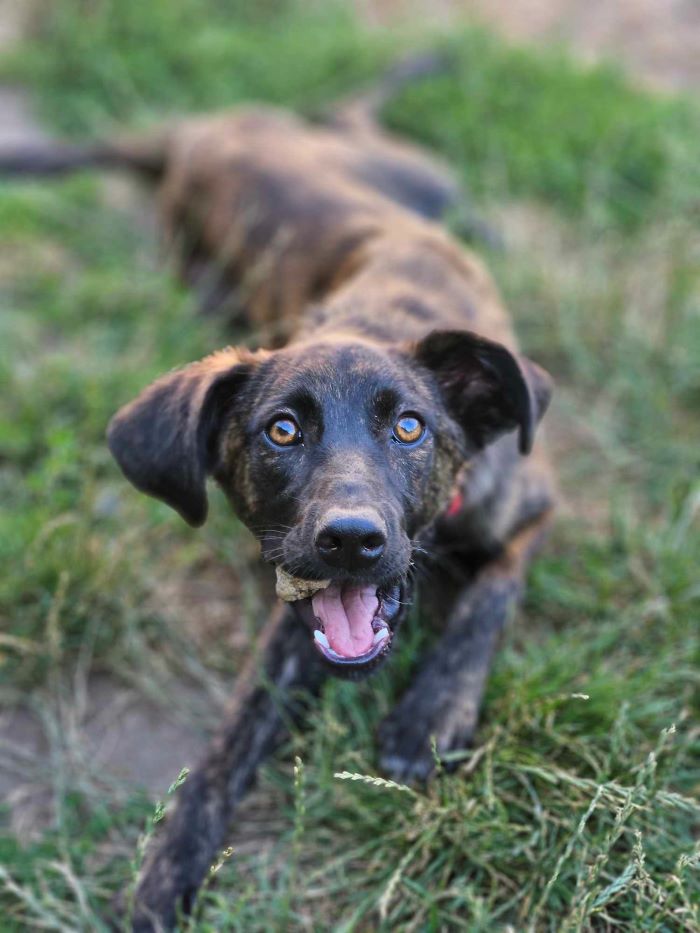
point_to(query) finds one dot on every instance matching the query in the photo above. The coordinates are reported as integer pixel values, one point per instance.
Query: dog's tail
(365, 108)
(144, 155)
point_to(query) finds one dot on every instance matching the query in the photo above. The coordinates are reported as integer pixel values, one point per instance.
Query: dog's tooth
(378, 636)
(321, 638)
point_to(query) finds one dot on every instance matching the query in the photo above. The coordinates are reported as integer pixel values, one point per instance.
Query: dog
(389, 418)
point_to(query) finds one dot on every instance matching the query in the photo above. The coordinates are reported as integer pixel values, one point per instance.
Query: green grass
(537, 125)
(542, 126)
(578, 807)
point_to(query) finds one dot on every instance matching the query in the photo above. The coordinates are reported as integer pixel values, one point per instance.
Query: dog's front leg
(179, 857)
(442, 704)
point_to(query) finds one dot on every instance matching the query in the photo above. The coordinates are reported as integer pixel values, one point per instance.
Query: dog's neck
(398, 287)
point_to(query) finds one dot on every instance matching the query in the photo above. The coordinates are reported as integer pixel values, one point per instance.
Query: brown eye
(409, 429)
(284, 432)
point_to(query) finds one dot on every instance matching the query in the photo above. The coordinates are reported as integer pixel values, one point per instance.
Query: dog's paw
(411, 743)
(163, 897)
(130, 915)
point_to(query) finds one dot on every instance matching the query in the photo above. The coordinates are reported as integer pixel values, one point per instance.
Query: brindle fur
(325, 237)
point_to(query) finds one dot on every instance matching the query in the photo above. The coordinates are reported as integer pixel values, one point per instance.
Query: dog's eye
(284, 432)
(409, 429)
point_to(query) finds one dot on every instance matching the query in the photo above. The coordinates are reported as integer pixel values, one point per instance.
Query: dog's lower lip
(382, 638)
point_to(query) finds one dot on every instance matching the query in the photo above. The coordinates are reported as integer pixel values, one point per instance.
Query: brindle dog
(393, 416)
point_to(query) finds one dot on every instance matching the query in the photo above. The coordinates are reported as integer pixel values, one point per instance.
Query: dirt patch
(107, 735)
(23, 790)
(17, 125)
(15, 16)
(656, 41)
(136, 741)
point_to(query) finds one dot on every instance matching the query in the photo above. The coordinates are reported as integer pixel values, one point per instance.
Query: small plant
(144, 840)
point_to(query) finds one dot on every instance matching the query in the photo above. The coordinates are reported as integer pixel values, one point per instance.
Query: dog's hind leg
(179, 858)
(442, 704)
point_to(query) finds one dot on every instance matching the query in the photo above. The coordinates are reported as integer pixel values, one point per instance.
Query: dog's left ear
(165, 441)
(488, 389)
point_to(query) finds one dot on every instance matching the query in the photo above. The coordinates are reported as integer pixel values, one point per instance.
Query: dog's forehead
(340, 371)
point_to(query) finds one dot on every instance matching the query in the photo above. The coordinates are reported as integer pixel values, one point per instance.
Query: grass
(578, 807)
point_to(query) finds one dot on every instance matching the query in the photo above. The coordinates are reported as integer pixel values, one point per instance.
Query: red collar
(456, 504)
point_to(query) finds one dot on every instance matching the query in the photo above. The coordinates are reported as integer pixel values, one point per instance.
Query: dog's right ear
(165, 441)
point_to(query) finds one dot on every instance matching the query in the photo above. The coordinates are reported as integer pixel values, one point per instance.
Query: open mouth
(353, 625)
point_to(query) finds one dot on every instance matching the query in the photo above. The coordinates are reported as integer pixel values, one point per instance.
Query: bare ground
(656, 41)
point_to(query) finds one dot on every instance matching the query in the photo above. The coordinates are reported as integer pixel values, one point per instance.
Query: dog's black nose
(351, 541)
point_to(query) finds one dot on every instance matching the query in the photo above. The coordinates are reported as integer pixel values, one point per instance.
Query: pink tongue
(346, 614)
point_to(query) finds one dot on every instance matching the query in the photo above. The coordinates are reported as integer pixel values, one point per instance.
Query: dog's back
(278, 213)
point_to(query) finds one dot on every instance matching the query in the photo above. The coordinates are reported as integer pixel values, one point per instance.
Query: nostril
(328, 543)
(373, 544)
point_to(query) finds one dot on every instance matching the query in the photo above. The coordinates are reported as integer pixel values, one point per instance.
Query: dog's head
(335, 454)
